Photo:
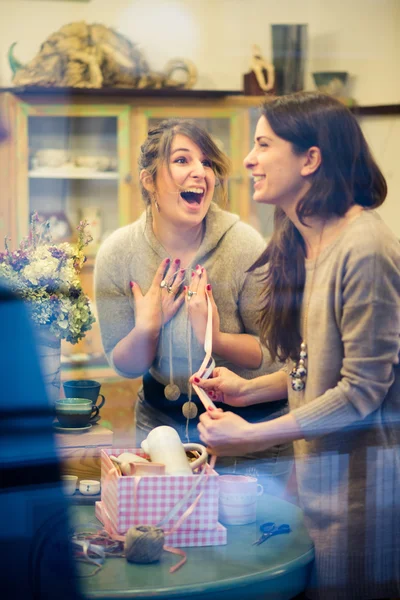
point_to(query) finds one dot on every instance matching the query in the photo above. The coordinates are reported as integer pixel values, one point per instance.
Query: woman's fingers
(136, 291)
(208, 384)
(159, 276)
(176, 281)
(196, 284)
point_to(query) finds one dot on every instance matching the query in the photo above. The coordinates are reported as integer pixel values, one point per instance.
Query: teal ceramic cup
(84, 388)
(75, 412)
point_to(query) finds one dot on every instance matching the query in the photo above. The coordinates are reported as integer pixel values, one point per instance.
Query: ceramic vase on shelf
(289, 49)
(49, 351)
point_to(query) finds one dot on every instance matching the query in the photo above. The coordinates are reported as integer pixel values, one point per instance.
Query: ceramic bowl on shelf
(97, 163)
(330, 82)
(51, 157)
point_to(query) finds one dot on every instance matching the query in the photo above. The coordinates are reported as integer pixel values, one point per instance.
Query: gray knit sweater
(228, 249)
(348, 467)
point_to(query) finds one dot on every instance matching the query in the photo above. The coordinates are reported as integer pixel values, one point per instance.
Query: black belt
(154, 395)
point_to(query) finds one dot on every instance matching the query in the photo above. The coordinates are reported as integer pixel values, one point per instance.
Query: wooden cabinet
(72, 154)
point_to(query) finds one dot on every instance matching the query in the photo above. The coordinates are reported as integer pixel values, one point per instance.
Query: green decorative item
(14, 63)
(331, 82)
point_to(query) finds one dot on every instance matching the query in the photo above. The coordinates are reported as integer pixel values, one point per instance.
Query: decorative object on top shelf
(46, 276)
(95, 56)
(289, 48)
(333, 83)
(261, 78)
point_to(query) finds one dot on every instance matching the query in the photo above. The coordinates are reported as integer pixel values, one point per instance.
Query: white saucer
(71, 429)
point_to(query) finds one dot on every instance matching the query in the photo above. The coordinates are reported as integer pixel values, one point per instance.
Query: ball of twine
(144, 544)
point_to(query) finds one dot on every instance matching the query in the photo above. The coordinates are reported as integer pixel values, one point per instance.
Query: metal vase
(289, 50)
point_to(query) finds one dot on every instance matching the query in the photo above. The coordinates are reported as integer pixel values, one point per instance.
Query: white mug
(163, 445)
(238, 499)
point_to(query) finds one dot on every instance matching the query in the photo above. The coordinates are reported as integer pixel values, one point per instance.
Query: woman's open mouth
(193, 195)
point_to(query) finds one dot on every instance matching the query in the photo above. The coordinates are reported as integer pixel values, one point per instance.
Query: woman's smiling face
(185, 187)
(276, 169)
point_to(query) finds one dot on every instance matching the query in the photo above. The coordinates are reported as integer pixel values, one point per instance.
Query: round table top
(237, 569)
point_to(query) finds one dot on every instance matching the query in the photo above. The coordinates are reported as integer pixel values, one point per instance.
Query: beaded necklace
(299, 371)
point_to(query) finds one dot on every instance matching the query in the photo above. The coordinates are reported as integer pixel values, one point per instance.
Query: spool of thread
(144, 544)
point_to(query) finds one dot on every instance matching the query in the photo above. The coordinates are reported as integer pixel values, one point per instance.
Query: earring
(156, 203)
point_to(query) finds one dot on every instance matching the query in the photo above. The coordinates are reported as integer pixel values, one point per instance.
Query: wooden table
(276, 570)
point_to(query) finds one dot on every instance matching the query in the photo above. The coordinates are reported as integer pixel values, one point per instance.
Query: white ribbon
(208, 364)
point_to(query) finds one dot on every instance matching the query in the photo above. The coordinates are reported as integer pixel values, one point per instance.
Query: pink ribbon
(208, 364)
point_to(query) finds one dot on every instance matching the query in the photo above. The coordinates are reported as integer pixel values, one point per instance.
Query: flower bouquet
(46, 276)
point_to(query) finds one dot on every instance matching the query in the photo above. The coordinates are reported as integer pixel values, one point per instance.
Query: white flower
(44, 268)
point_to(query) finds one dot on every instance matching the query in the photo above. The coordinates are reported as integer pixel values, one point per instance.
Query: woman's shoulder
(119, 243)
(370, 235)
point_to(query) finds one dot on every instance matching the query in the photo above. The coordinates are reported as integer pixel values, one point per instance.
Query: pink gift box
(182, 538)
(156, 496)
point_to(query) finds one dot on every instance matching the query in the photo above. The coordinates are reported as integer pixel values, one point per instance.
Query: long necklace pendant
(189, 410)
(299, 372)
(172, 392)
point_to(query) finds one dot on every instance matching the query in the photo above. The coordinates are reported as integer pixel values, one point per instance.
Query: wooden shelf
(58, 93)
(120, 92)
(71, 173)
(384, 109)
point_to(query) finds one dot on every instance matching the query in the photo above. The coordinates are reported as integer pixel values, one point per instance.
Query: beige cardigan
(348, 467)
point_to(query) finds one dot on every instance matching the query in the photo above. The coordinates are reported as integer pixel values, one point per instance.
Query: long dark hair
(347, 175)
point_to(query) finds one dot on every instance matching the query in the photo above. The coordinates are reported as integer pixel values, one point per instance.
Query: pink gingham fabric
(183, 538)
(156, 496)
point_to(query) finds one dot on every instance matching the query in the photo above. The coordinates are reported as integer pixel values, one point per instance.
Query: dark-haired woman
(332, 312)
(151, 282)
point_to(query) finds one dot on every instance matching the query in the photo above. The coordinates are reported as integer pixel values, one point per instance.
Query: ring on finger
(191, 293)
(169, 289)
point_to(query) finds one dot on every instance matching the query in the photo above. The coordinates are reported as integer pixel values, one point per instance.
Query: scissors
(269, 529)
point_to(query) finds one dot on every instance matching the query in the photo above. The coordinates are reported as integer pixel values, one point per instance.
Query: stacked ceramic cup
(79, 410)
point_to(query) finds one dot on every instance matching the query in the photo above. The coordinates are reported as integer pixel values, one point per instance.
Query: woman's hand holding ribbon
(224, 433)
(224, 386)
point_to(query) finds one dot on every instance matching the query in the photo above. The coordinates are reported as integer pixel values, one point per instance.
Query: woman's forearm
(261, 436)
(267, 388)
(135, 353)
(241, 349)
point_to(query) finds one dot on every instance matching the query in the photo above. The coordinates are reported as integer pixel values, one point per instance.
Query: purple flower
(58, 253)
(74, 292)
(18, 260)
